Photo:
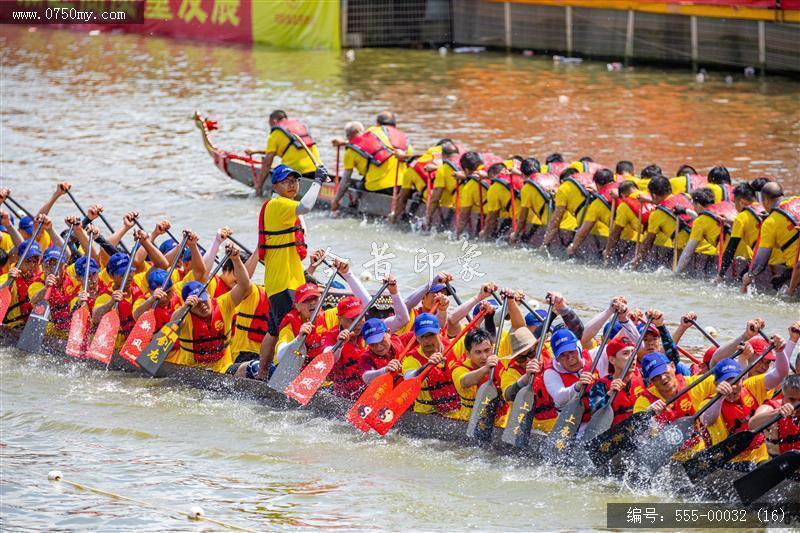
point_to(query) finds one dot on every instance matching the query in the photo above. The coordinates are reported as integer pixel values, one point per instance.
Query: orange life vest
(372, 147)
(209, 338)
(23, 301)
(694, 182)
(258, 327)
(640, 209)
(264, 235)
(677, 200)
(346, 373)
(315, 341)
(735, 416)
(790, 208)
(626, 398)
(290, 128)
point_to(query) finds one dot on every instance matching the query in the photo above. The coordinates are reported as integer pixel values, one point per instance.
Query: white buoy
(350, 55)
(451, 98)
(700, 77)
(728, 79)
(711, 330)
(563, 99)
(55, 475)
(196, 512)
(442, 51)
(366, 276)
(749, 72)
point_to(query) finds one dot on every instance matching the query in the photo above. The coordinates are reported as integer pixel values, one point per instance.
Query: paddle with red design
(31, 338)
(102, 347)
(405, 394)
(307, 382)
(143, 330)
(5, 290)
(78, 339)
(154, 355)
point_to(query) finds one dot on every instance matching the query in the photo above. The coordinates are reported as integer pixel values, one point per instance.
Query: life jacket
(164, 314)
(640, 209)
(721, 211)
(677, 200)
(316, 340)
(373, 149)
(290, 128)
(263, 236)
(346, 373)
(369, 360)
(209, 339)
(590, 167)
(23, 304)
(682, 407)
(785, 435)
(694, 182)
(758, 212)
(736, 415)
(570, 380)
(439, 384)
(626, 398)
(59, 301)
(546, 185)
(126, 320)
(419, 167)
(790, 208)
(557, 167)
(605, 193)
(510, 180)
(583, 181)
(221, 288)
(544, 408)
(255, 324)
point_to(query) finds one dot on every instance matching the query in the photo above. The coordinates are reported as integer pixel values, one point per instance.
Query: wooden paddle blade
(155, 353)
(520, 420)
(140, 336)
(769, 475)
(375, 393)
(484, 411)
(78, 340)
(563, 433)
(617, 439)
(290, 358)
(599, 423)
(402, 397)
(102, 347)
(712, 459)
(5, 301)
(308, 382)
(654, 452)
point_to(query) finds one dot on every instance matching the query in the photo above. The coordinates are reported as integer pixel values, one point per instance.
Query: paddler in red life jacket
(20, 278)
(382, 351)
(785, 435)
(661, 223)
(744, 231)
(596, 218)
(704, 237)
(117, 264)
(778, 234)
(281, 244)
(630, 221)
(445, 182)
(418, 178)
(423, 299)
(629, 386)
(168, 300)
(95, 287)
(379, 155)
(500, 205)
(283, 144)
(740, 402)
(205, 336)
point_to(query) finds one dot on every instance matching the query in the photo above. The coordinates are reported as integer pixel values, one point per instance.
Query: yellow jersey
(283, 268)
(297, 158)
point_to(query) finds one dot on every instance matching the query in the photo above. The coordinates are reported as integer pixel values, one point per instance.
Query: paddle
(310, 379)
(405, 394)
(5, 290)
(710, 339)
(452, 291)
(603, 418)
(102, 347)
(19, 206)
(153, 356)
(78, 339)
(375, 393)
(487, 399)
(520, 420)
(32, 335)
(712, 459)
(102, 217)
(169, 233)
(655, 452)
(569, 419)
(143, 330)
(755, 484)
(291, 355)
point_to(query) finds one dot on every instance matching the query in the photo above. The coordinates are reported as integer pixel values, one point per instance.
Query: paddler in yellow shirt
(661, 223)
(744, 232)
(704, 238)
(418, 178)
(630, 220)
(474, 369)
(597, 216)
(282, 142)
(570, 201)
(445, 181)
(719, 182)
(778, 234)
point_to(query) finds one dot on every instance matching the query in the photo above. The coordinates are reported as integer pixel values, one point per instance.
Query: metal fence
(406, 23)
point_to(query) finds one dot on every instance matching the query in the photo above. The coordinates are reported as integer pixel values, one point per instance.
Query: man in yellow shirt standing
(282, 247)
(778, 232)
(283, 143)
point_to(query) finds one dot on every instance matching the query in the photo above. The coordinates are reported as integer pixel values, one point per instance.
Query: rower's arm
(251, 264)
(511, 391)
(436, 196)
(593, 326)
(490, 224)
(149, 249)
(143, 307)
(177, 314)
(613, 239)
(474, 377)
(522, 221)
(309, 199)
(464, 216)
(686, 255)
(369, 375)
(400, 317)
(16, 238)
(515, 315)
(344, 184)
(713, 412)
(413, 299)
(555, 387)
(461, 311)
(670, 347)
(555, 221)
(762, 415)
(358, 289)
(777, 372)
(572, 321)
(649, 239)
(266, 167)
(580, 236)
(726, 350)
(243, 284)
(729, 255)
(55, 238)
(211, 253)
(99, 311)
(48, 205)
(198, 269)
(760, 262)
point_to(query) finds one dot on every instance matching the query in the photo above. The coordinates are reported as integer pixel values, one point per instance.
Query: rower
(381, 353)
(630, 220)
(785, 435)
(418, 177)
(95, 287)
(534, 201)
(646, 176)
(569, 370)
(282, 142)
(21, 278)
(379, 155)
(623, 171)
(571, 199)
(705, 235)
(168, 301)
(597, 216)
(124, 296)
(47, 236)
(778, 232)
(472, 192)
(740, 402)
(500, 205)
(445, 182)
(744, 232)
(281, 245)
(629, 387)
(205, 336)
(429, 295)
(661, 224)
(474, 369)
(719, 182)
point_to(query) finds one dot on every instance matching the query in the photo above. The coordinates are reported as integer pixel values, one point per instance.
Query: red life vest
(790, 208)
(258, 326)
(569, 380)
(557, 167)
(23, 301)
(677, 200)
(640, 209)
(59, 301)
(264, 235)
(439, 384)
(221, 288)
(209, 338)
(605, 193)
(346, 375)
(626, 398)
(369, 360)
(584, 182)
(316, 340)
(694, 182)
(373, 149)
(736, 415)
(164, 313)
(290, 128)
(721, 211)
(488, 159)
(544, 407)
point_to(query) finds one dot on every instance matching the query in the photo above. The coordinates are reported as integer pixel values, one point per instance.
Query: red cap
(616, 344)
(759, 345)
(709, 354)
(305, 292)
(350, 307)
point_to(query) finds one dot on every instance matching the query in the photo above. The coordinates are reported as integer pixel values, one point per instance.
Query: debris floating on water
(469, 49)
(451, 98)
(527, 53)
(442, 51)
(614, 67)
(563, 99)
(729, 79)
(55, 475)
(350, 55)
(700, 77)
(196, 513)
(749, 72)
(567, 60)
(366, 276)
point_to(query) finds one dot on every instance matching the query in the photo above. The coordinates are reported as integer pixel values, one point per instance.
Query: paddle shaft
(127, 272)
(361, 315)
(102, 217)
(453, 293)
(599, 353)
(171, 236)
(32, 240)
(698, 381)
(172, 267)
(61, 256)
(710, 339)
(88, 256)
(19, 206)
(427, 366)
(216, 269)
(307, 150)
(302, 337)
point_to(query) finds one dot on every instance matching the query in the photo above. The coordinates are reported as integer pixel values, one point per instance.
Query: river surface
(112, 114)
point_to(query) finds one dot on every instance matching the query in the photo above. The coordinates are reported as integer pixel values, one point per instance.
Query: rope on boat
(195, 513)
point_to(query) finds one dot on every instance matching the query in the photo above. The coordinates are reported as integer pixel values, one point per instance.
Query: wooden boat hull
(361, 203)
(413, 425)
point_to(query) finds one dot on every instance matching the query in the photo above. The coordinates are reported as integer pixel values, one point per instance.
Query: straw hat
(521, 341)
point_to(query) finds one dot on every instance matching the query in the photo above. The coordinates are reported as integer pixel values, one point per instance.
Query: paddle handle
(545, 328)
(362, 314)
(710, 339)
(88, 256)
(127, 271)
(499, 335)
(632, 358)
(11, 208)
(453, 293)
(428, 366)
(699, 380)
(775, 418)
(173, 266)
(19, 206)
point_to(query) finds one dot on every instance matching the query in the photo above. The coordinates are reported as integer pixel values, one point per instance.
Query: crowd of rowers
(704, 221)
(230, 323)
